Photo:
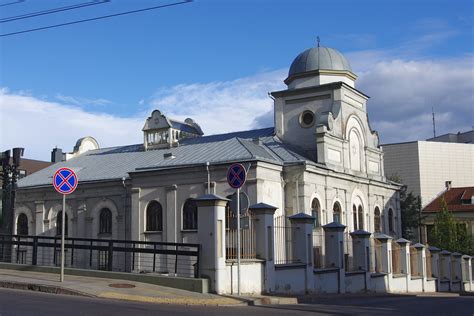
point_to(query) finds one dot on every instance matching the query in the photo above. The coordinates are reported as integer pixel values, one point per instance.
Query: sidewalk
(110, 289)
(125, 290)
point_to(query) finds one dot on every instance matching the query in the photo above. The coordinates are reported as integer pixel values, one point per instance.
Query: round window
(307, 119)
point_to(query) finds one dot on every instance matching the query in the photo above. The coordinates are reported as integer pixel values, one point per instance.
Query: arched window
(315, 211)
(154, 216)
(189, 215)
(59, 226)
(105, 221)
(22, 225)
(354, 216)
(336, 209)
(390, 220)
(361, 217)
(377, 220)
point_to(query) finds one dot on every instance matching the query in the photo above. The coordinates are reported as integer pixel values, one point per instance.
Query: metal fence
(349, 254)
(319, 258)
(454, 275)
(247, 236)
(284, 241)
(414, 264)
(378, 255)
(178, 259)
(396, 258)
(429, 263)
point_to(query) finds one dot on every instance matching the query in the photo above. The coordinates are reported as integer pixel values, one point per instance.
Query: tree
(449, 234)
(410, 206)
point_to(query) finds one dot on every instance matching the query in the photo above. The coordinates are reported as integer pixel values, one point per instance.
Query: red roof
(453, 198)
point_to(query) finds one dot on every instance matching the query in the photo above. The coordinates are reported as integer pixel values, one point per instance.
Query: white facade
(425, 166)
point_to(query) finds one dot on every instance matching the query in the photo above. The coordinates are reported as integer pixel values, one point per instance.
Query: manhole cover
(122, 285)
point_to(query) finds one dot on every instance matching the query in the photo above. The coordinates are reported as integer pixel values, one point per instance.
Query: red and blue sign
(65, 181)
(236, 175)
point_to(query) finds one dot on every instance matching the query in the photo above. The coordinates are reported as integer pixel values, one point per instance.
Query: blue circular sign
(236, 175)
(65, 181)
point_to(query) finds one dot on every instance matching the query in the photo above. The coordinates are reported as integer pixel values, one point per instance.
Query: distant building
(465, 138)
(460, 201)
(425, 166)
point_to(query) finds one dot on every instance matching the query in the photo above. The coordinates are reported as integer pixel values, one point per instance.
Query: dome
(319, 58)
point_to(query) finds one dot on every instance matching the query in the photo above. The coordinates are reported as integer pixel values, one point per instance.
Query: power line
(50, 11)
(10, 3)
(96, 18)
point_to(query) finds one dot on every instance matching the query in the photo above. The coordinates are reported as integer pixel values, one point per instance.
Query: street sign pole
(236, 176)
(238, 241)
(65, 182)
(63, 229)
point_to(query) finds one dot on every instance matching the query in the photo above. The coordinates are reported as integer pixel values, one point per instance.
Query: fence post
(445, 268)
(385, 257)
(465, 275)
(303, 244)
(264, 244)
(405, 259)
(211, 236)
(334, 245)
(435, 265)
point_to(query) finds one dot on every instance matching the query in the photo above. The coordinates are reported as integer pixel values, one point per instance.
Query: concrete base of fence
(188, 284)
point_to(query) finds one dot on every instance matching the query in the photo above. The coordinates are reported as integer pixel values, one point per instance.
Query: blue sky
(206, 58)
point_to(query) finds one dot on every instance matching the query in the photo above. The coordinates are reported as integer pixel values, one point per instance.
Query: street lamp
(9, 175)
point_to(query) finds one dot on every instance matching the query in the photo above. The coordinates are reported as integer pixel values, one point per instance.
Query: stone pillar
(211, 236)
(334, 245)
(465, 273)
(405, 259)
(303, 250)
(456, 262)
(445, 267)
(434, 251)
(361, 249)
(265, 244)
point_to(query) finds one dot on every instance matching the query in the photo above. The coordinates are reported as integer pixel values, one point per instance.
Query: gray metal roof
(117, 162)
(319, 58)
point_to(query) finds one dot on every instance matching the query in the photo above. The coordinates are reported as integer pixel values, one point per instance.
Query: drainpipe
(208, 178)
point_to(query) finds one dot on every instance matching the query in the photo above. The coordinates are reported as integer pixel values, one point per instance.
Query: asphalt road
(14, 302)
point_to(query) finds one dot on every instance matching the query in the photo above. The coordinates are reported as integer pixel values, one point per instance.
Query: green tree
(449, 234)
(410, 206)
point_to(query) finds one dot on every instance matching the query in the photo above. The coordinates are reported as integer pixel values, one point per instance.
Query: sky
(215, 61)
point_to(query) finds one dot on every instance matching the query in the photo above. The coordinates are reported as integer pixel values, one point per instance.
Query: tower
(323, 115)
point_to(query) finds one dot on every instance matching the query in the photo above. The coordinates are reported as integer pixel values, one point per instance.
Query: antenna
(318, 40)
(434, 123)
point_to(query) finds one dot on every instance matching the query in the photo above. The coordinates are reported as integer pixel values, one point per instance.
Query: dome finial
(318, 40)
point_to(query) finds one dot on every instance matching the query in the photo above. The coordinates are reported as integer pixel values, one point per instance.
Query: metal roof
(117, 162)
(319, 58)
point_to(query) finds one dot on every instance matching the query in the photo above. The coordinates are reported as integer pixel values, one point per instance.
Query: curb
(42, 288)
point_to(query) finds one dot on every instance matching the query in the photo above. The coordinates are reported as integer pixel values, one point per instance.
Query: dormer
(162, 132)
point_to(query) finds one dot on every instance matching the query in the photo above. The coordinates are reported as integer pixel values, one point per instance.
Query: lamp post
(9, 177)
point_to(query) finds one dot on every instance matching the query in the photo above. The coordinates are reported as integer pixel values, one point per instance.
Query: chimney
(448, 185)
(57, 155)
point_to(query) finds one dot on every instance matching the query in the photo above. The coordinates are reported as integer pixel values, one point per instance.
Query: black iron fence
(176, 259)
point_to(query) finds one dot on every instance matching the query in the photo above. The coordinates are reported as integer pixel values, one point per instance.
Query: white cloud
(404, 92)
(39, 125)
(221, 106)
(82, 101)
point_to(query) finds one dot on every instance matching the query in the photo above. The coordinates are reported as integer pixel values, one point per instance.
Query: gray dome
(317, 58)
